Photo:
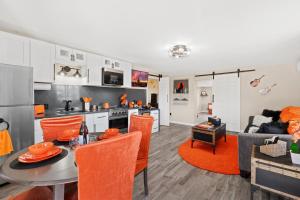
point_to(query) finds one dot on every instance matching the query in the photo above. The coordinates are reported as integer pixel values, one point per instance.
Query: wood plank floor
(170, 178)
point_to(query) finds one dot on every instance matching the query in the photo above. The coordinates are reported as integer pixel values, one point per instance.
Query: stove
(118, 118)
(117, 113)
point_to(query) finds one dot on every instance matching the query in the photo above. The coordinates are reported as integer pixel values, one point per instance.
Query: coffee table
(208, 135)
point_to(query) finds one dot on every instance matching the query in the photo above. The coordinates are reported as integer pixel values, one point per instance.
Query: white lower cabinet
(97, 122)
(155, 115)
(132, 112)
(38, 131)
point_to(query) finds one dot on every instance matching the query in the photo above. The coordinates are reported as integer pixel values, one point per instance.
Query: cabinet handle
(100, 117)
(88, 73)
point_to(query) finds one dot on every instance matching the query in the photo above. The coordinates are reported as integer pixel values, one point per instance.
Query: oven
(120, 123)
(112, 77)
(118, 118)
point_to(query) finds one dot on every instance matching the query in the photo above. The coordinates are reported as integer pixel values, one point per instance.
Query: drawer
(154, 112)
(100, 115)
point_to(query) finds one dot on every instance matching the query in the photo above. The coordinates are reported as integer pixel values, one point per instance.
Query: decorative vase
(295, 158)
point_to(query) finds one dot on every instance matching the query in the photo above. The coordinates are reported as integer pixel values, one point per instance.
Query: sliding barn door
(226, 100)
(163, 101)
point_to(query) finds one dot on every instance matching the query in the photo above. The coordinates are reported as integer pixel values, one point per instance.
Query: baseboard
(182, 123)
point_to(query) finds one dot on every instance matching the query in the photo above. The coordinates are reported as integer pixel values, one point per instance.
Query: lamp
(77, 74)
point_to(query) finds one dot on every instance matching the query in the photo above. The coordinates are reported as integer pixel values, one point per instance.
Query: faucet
(68, 105)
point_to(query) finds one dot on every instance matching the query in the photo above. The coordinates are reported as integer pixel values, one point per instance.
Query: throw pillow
(259, 119)
(253, 129)
(271, 113)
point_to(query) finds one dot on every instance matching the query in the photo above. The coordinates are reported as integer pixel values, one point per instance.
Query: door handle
(213, 98)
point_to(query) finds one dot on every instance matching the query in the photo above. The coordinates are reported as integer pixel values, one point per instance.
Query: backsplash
(55, 97)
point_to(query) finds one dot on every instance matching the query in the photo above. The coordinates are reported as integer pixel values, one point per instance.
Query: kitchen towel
(6, 146)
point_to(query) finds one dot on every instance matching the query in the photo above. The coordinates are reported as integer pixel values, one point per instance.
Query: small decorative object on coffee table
(208, 133)
(278, 175)
(295, 148)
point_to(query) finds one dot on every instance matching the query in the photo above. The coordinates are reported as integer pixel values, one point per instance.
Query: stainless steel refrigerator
(16, 104)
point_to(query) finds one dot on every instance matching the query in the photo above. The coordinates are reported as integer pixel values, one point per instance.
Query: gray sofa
(245, 143)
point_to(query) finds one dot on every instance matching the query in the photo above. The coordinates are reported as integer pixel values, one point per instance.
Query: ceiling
(222, 35)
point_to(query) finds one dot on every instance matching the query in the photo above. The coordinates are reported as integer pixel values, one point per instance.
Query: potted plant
(295, 148)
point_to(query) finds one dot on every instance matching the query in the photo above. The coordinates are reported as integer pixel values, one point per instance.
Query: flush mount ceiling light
(179, 51)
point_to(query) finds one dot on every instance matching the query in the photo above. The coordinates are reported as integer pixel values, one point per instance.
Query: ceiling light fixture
(179, 51)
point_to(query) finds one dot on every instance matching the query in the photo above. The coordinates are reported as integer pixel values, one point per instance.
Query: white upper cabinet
(126, 67)
(94, 67)
(14, 49)
(65, 55)
(111, 63)
(42, 59)
(80, 57)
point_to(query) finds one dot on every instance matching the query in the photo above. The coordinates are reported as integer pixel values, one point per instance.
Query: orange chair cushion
(106, 168)
(55, 127)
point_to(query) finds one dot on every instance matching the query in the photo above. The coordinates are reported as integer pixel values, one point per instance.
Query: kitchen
(58, 77)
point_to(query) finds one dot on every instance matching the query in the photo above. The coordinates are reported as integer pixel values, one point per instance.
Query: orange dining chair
(53, 127)
(36, 193)
(143, 124)
(106, 168)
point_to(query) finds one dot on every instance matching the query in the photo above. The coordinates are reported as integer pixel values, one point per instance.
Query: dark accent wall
(55, 97)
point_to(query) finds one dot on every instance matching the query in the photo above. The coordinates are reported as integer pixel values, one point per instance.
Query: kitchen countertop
(52, 114)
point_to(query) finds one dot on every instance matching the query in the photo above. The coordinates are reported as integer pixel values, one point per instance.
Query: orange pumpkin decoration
(139, 102)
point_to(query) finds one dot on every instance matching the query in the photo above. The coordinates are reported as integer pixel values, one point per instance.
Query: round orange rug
(225, 161)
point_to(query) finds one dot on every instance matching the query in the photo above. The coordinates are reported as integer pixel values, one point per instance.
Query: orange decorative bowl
(40, 148)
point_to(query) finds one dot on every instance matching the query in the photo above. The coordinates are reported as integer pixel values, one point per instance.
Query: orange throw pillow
(290, 113)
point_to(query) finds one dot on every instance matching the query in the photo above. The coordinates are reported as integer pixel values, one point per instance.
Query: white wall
(285, 94)
(184, 113)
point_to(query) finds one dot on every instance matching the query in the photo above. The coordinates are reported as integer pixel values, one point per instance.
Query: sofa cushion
(273, 128)
(259, 120)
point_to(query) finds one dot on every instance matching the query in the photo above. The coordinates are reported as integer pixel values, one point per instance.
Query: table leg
(59, 192)
(225, 137)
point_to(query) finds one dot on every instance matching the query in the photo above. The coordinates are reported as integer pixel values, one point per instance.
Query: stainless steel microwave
(112, 77)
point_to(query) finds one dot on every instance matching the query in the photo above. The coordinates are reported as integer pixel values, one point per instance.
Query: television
(139, 78)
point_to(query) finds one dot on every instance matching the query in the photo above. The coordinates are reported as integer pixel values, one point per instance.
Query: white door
(42, 58)
(226, 100)
(163, 101)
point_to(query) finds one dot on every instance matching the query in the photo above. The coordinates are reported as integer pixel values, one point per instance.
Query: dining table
(55, 174)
